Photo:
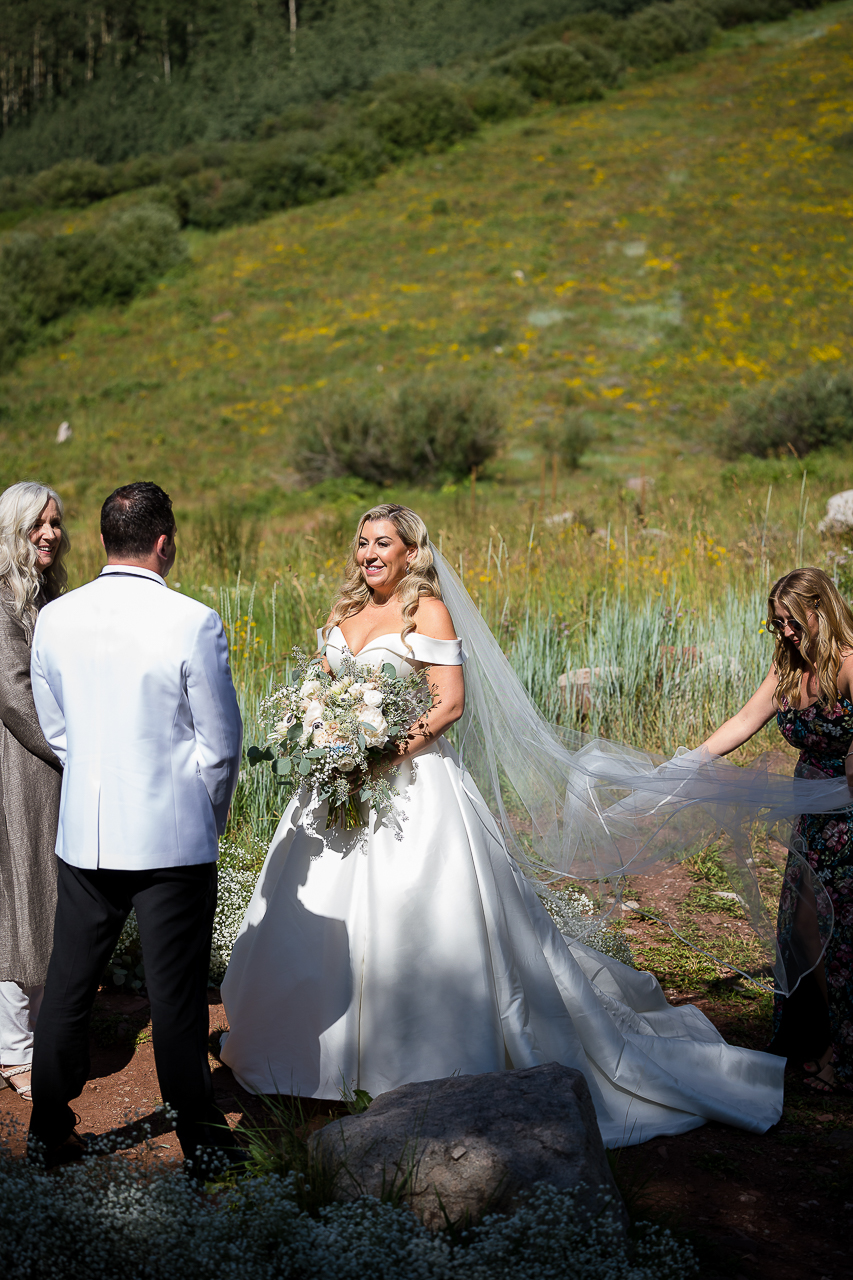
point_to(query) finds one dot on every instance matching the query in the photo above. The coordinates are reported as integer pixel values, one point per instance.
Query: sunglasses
(776, 625)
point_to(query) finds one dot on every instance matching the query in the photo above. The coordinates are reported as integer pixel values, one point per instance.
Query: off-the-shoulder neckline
(389, 635)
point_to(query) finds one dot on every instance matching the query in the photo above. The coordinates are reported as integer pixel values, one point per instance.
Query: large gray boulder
(473, 1144)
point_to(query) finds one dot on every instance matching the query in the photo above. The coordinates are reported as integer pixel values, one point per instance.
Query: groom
(133, 692)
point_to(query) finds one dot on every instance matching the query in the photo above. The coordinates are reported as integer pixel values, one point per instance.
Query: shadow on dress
(309, 996)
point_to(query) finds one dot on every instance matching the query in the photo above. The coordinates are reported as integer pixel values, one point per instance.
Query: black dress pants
(174, 909)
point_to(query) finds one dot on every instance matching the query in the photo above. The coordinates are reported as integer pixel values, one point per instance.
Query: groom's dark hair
(134, 517)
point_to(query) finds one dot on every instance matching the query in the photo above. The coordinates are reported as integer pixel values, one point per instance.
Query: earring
(408, 566)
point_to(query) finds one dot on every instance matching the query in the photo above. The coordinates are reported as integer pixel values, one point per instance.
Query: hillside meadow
(642, 261)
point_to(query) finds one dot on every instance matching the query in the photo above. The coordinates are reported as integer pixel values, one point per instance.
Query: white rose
(372, 698)
(373, 725)
(309, 688)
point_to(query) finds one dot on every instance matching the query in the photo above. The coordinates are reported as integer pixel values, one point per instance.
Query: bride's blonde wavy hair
(800, 593)
(21, 579)
(421, 579)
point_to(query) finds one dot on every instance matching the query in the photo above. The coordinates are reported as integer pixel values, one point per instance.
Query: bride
(417, 947)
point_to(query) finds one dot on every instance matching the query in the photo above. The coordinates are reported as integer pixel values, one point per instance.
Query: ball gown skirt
(415, 948)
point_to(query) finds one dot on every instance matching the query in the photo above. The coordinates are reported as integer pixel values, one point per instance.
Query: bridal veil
(574, 806)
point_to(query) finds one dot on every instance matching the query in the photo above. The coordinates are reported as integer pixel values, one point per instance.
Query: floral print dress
(823, 738)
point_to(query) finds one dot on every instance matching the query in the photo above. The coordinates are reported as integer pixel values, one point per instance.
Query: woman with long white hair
(33, 545)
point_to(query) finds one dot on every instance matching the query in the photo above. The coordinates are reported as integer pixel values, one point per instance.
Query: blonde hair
(800, 593)
(21, 579)
(421, 579)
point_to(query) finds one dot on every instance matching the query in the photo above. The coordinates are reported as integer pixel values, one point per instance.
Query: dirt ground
(779, 1204)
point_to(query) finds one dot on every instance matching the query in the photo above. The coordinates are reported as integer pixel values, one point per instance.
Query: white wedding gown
(414, 950)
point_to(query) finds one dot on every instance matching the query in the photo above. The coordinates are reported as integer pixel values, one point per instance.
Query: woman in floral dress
(808, 690)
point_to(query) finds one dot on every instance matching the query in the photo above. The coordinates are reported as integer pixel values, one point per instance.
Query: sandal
(820, 1084)
(9, 1074)
(824, 1061)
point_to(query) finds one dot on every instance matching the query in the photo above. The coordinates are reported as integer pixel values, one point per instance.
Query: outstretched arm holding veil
(808, 688)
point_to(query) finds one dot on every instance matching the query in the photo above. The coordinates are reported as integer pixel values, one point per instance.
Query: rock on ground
(839, 513)
(475, 1142)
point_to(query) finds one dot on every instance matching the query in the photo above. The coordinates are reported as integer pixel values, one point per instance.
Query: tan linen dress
(30, 783)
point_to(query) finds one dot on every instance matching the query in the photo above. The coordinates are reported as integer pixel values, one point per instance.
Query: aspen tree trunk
(90, 45)
(292, 7)
(167, 65)
(37, 61)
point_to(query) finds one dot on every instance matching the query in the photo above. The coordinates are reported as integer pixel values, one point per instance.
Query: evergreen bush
(810, 411)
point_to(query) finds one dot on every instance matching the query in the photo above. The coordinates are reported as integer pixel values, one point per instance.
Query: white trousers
(19, 1009)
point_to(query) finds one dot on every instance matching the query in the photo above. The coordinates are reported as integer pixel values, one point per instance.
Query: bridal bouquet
(334, 732)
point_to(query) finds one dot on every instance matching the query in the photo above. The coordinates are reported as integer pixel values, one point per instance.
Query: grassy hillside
(645, 257)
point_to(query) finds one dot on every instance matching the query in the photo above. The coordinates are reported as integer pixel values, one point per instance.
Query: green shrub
(497, 98)
(605, 64)
(182, 164)
(267, 178)
(661, 31)
(17, 330)
(356, 155)
(422, 435)
(143, 171)
(599, 26)
(557, 72)
(731, 13)
(14, 194)
(569, 438)
(42, 278)
(72, 182)
(414, 114)
(806, 412)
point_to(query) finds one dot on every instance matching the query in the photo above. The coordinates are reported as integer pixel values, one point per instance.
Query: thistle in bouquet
(341, 734)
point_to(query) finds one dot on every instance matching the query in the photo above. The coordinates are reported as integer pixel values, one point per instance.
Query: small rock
(839, 513)
(223, 315)
(513, 1128)
(63, 432)
(629, 902)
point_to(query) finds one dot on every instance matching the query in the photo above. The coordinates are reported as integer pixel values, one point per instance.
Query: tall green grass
(656, 673)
